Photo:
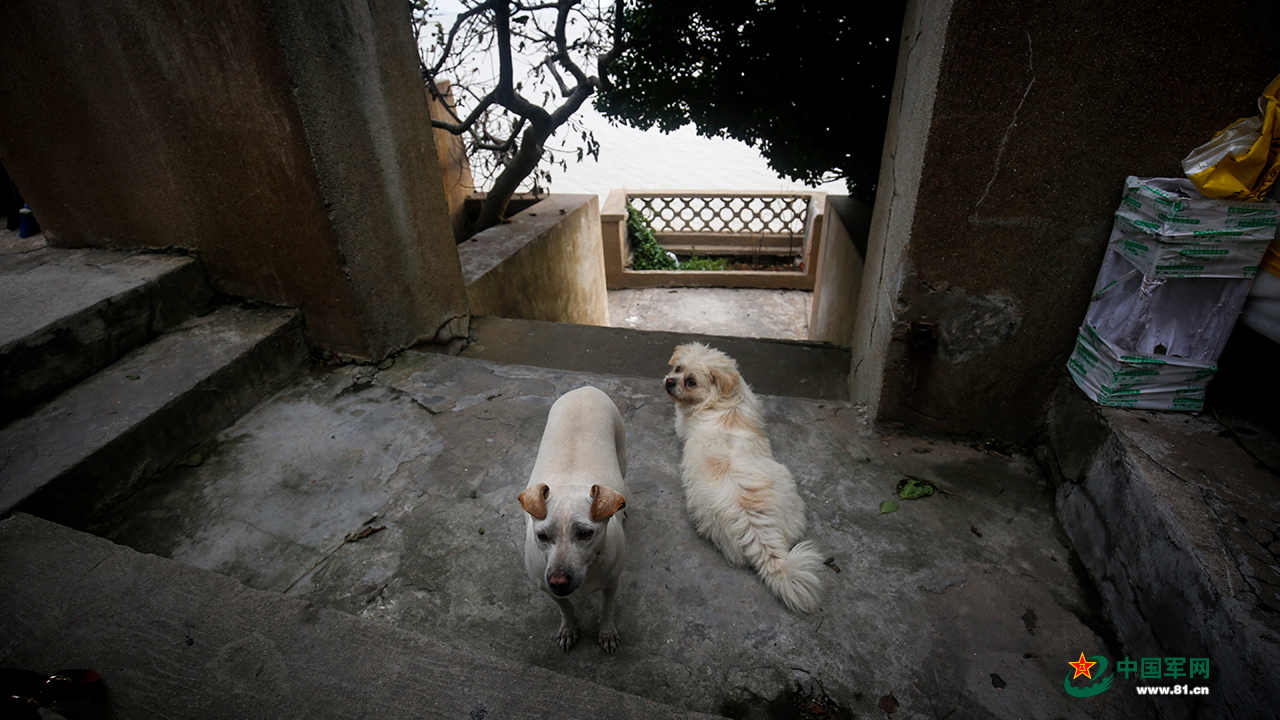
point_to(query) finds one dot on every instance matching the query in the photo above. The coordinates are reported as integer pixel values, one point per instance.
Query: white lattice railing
(726, 223)
(751, 214)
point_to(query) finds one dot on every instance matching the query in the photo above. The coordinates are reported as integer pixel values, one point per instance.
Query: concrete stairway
(264, 604)
(110, 374)
(114, 366)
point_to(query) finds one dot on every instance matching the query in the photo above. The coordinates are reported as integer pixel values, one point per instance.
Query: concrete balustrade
(735, 225)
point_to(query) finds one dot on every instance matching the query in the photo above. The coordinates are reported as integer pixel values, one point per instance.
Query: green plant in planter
(647, 252)
(701, 263)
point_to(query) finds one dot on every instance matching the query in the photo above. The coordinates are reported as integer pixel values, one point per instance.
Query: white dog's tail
(793, 577)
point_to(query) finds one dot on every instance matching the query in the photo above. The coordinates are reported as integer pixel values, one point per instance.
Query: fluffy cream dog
(574, 543)
(738, 496)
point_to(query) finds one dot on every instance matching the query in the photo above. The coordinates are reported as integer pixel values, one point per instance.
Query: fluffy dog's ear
(605, 501)
(675, 356)
(726, 379)
(534, 501)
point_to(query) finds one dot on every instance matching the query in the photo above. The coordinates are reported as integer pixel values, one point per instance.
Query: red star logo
(1082, 667)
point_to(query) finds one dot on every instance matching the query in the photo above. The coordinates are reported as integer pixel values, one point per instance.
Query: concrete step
(790, 368)
(171, 640)
(95, 442)
(1176, 516)
(69, 313)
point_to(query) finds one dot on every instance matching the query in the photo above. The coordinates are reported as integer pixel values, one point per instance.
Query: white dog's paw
(567, 637)
(609, 640)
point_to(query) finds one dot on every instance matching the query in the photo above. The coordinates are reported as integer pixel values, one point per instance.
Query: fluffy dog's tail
(793, 577)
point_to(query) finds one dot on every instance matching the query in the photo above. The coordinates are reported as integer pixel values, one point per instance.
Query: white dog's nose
(559, 583)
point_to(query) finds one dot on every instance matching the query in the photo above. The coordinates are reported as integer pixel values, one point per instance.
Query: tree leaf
(888, 506)
(914, 488)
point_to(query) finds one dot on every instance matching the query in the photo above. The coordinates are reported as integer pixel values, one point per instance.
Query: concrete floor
(777, 314)
(391, 495)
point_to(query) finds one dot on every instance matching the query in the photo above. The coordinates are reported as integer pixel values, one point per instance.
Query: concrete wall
(547, 263)
(838, 272)
(455, 167)
(286, 141)
(1012, 130)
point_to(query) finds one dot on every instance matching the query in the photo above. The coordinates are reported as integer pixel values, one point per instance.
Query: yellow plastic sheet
(1243, 160)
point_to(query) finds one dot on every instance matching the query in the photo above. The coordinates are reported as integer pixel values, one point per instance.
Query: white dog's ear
(605, 501)
(534, 501)
(724, 378)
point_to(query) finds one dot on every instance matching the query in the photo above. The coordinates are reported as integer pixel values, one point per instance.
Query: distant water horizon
(633, 159)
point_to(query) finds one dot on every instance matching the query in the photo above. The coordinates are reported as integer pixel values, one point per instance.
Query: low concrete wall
(838, 270)
(545, 264)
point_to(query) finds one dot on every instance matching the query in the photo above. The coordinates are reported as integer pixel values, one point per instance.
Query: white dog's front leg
(609, 639)
(568, 635)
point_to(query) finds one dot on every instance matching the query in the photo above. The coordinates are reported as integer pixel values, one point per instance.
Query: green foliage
(700, 263)
(647, 253)
(808, 83)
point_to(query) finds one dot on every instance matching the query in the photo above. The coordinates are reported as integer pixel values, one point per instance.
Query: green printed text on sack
(1140, 360)
(1136, 373)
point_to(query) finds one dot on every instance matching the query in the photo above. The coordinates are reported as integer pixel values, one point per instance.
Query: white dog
(573, 537)
(738, 496)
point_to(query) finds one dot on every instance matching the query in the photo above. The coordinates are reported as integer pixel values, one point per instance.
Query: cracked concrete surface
(392, 496)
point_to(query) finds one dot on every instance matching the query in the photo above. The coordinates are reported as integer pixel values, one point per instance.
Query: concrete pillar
(454, 164)
(287, 142)
(1011, 133)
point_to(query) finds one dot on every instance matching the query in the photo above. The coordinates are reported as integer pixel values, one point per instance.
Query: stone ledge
(1177, 526)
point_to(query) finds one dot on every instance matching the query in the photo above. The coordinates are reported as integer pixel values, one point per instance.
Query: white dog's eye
(679, 368)
(586, 534)
(690, 382)
(542, 536)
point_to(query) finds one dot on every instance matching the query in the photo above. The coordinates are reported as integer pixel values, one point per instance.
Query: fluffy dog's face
(700, 375)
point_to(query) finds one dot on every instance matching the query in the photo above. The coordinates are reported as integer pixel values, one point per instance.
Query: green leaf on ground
(888, 506)
(914, 488)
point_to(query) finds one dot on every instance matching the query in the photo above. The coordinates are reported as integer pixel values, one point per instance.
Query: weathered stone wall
(833, 310)
(547, 263)
(286, 141)
(1014, 126)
